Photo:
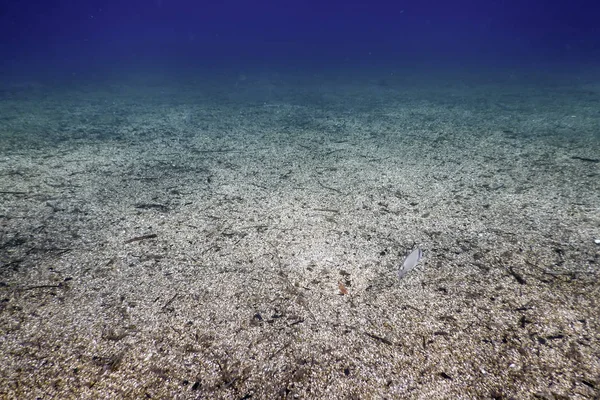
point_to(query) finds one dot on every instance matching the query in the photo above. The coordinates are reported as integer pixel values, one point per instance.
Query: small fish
(410, 262)
(343, 290)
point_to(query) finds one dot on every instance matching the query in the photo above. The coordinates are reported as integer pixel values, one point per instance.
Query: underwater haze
(105, 37)
(299, 199)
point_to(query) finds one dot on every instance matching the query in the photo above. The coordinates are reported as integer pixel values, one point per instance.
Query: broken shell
(410, 262)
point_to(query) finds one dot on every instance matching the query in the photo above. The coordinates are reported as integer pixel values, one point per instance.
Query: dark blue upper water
(88, 38)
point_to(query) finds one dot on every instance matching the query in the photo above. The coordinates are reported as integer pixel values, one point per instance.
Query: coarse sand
(243, 241)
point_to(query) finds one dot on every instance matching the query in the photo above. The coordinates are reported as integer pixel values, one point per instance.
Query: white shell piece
(410, 262)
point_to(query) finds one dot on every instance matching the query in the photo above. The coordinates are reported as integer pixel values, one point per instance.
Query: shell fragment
(410, 262)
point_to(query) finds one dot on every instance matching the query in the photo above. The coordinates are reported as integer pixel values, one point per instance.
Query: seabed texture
(241, 238)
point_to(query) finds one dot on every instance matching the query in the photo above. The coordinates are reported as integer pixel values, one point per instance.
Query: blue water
(92, 39)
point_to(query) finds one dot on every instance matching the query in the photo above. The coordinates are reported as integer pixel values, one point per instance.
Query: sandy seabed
(241, 239)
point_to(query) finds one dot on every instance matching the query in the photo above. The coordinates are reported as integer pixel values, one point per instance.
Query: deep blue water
(91, 38)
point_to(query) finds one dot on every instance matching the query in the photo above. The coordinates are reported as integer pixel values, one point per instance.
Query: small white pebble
(597, 241)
